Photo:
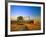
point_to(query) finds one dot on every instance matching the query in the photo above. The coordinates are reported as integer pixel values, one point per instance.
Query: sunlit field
(25, 23)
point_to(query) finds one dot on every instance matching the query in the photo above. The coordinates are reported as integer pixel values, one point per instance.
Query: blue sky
(25, 10)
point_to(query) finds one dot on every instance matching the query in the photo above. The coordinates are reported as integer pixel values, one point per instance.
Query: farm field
(25, 26)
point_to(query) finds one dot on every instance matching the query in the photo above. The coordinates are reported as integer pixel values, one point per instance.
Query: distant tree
(20, 20)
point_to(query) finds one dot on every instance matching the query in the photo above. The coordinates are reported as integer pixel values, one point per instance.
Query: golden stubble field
(25, 26)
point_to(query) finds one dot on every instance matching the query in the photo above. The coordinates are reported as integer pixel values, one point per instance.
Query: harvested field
(25, 26)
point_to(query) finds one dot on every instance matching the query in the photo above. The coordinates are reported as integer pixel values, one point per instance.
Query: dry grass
(29, 26)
